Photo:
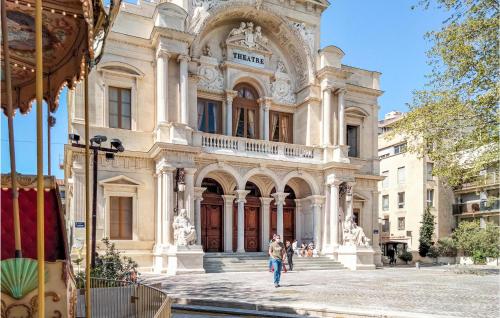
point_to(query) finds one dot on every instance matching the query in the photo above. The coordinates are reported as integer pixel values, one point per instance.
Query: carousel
(46, 45)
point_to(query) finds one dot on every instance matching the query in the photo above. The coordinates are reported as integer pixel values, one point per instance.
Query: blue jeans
(270, 263)
(277, 270)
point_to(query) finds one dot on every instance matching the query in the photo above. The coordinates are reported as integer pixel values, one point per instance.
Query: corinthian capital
(183, 57)
(240, 195)
(279, 197)
(230, 95)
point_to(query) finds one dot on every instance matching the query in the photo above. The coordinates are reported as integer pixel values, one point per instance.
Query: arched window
(246, 112)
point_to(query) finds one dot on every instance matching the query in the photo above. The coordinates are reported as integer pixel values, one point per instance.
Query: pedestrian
(270, 258)
(277, 253)
(390, 253)
(294, 246)
(289, 254)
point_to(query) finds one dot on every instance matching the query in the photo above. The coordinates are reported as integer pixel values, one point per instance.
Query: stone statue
(184, 231)
(207, 51)
(280, 67)
(259, 36)
(258, 4)
(239, 30)
(200, 12)
(353, 234)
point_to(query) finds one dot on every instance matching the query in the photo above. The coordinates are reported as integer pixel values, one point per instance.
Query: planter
(446, 260)
(492, 261)
(465, 260)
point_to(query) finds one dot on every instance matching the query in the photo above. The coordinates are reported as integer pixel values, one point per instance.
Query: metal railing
(491, 178)
(476, 206)
(123, 299)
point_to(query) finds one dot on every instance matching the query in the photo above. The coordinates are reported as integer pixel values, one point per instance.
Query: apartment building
(408, 188)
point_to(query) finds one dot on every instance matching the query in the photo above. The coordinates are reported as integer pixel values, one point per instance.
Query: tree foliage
(426, 232)
(477, 242)
(454, 120)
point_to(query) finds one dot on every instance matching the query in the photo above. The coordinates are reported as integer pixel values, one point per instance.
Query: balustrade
(271, 149)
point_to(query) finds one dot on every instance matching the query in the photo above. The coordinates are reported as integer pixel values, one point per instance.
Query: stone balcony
(255, 148)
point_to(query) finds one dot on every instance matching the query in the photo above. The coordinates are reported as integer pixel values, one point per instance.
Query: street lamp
(95, 145)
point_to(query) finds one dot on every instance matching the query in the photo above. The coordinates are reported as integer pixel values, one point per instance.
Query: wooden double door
(212, 219)
(288, 221)
(251, 227)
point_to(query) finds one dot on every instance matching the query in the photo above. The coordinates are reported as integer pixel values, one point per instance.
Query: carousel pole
(10, 120)
(40, 215)
(88, 219)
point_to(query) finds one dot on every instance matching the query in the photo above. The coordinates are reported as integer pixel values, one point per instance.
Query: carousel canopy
(70, 28)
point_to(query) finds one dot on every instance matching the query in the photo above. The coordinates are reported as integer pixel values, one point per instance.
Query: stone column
(189, 192)
(158, 247)
(298, 223)
(279, 200)
(240, 199)
(327, 100)
(198, 197)
(162, 86)
(342, 127)
(317, 202)
(265, 204)
(228, 222)
(229, 112)
(376, 236)
(183, 87)
(326, 217)
(167, 205)
(266, 107)
(334, 214)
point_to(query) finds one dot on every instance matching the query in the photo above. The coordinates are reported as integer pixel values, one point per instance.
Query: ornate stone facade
(267, 128)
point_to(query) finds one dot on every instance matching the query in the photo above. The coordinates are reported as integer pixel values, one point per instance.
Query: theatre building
(269, 132)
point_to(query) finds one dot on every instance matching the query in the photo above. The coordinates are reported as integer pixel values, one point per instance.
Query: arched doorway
(288, 216)
(252, 220)
(246, 112)
(211, 213)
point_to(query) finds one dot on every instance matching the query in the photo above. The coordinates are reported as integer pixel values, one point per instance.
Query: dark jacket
(289, 250)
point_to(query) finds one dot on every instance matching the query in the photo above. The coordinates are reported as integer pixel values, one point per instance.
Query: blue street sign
(79, 225)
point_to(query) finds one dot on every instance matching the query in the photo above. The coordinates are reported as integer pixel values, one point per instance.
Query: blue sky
(379, 35)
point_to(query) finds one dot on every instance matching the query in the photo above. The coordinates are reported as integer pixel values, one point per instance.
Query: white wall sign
(248, 58)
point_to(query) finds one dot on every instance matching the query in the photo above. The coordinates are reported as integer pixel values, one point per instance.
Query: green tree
(426, 232)
(477, 242)
(454, 120)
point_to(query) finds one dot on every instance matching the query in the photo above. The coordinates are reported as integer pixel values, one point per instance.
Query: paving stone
(394, 292)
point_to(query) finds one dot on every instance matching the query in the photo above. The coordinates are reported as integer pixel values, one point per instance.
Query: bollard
(417, 265)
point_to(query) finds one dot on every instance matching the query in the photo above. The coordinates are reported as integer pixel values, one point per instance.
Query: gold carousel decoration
(46, 45)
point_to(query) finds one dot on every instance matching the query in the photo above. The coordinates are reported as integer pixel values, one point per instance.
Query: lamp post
(95, 145)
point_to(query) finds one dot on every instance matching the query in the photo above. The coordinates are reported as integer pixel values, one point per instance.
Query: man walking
(277, 252)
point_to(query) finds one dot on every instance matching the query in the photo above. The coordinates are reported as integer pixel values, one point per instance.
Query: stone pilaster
(198, 197)
(240, 199)
(228, 222)
(279, 200)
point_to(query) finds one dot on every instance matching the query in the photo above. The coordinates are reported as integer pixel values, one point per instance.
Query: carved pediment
(120, 180)
(249, 37)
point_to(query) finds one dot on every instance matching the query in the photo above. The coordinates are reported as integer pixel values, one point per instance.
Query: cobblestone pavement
(392, 292)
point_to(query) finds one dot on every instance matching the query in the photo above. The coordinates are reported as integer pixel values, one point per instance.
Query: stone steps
(222, 262)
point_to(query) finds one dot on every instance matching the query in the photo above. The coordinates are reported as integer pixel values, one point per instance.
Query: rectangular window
(401, 223)
(385, 182)
(401, 200)
(120, 218)
(353, 140)
(280, 127)
(399, 149)
(386, 225)
(430, 167)
(120, 115)
(401, 175)
(430, 197)
(209, 116)
(385, 202)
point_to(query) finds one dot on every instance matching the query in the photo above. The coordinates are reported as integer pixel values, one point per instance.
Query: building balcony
(489, 179)
(255, 148)
(477, 206)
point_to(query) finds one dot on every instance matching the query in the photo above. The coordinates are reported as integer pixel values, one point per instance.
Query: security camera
(117, 144)
(98, 139)
(74, 137)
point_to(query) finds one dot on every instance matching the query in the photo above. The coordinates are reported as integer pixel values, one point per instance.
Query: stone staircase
(258, 262)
